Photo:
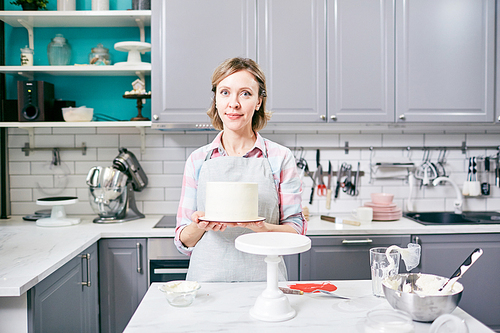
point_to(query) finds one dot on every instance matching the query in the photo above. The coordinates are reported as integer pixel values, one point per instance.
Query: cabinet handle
(356, 241)
(402, 117)
(139, 263)
(498, 118)
(156, 117)
(86, 256)
(322, 117)
(333, 117)
(170, 271)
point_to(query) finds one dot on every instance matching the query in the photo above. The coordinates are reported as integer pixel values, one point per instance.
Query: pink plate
(387, 217)
(239, 221)
(371, 204)
(386, 209)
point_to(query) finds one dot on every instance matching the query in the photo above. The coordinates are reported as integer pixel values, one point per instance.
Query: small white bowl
(180, 293)
(80, 114)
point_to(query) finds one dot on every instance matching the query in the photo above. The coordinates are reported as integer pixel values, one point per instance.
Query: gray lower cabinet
(443, 254)
(343, 257)
(68, 299)
(123, 280)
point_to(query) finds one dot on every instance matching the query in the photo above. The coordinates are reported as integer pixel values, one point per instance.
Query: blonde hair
(231, 66)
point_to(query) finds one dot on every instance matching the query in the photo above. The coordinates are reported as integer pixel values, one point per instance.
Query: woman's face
(237, 98)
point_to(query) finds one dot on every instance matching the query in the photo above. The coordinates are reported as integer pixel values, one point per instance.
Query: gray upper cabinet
(360, 61)
(190, 38)
(445, 60)
(292, 53)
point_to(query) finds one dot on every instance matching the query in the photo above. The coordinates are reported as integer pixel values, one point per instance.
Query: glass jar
(26, 56)
(59, 51)
(99, 56)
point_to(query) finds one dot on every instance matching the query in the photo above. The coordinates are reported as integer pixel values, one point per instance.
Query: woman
(238, 153)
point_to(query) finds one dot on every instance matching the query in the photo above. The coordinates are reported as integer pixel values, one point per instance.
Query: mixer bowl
(107, 191)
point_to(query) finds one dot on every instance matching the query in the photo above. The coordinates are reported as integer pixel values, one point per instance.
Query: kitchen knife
(329, 188)
(339, 220)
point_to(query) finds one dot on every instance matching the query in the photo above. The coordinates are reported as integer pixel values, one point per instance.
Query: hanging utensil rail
(26, 149)
(346, 147)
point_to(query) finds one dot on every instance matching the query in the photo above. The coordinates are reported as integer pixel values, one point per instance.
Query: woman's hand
(262, 226)
(205, 225)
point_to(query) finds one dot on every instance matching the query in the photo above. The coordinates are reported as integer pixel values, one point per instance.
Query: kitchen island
(224, 307)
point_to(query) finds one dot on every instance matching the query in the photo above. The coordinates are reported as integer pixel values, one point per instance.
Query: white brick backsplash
(18, 194)
(46, 168)
(83, 168)
(17, 141)
(166, 152)
(31, 181)
(130, 140)
(318, 140)
(165, 180)
(19, 168)
(185, 140)
(402, 140)
(443, 140)
(173, 194)
(173, 167)
(97, 140)
(55, 141)
(74, 130)
(160, 207)
(150, 194)
(162, 154)
(152, 167)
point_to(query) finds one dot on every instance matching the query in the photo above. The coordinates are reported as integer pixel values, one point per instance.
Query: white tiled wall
(33, 177)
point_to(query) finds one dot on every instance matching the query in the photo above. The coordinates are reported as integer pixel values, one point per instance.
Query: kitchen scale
(58, 216)
(272, 304)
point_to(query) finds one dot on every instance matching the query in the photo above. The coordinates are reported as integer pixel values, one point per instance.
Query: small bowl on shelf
(180, 293)
(79, 114)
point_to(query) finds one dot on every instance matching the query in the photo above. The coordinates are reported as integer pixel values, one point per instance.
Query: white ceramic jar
(66, 5)
(100, 4)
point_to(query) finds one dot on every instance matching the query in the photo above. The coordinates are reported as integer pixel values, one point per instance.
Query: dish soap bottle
(59, 51)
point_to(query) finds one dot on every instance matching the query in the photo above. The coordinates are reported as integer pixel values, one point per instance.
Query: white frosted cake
(231, 201)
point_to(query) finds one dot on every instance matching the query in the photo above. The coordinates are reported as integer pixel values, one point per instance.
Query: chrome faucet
(458, 202)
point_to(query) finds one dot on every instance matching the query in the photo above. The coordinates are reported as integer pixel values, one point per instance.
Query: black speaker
(35, 101)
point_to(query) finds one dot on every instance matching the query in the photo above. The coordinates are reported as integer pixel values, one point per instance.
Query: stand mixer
(111, 189)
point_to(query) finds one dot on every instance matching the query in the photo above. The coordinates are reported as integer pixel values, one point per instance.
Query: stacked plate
(383, 207)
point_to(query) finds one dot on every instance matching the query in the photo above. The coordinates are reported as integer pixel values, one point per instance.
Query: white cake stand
(134, 50)
(272, 304)
(58, 215)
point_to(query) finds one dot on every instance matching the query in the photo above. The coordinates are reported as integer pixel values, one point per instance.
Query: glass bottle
(59, 51)
(99, 56)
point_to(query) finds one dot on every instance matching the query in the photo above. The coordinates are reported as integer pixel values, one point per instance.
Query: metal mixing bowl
(420, 308)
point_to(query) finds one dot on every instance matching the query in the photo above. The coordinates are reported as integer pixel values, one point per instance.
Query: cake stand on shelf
(139, 98)
(58, 216)
(272, 304)
(134, 50)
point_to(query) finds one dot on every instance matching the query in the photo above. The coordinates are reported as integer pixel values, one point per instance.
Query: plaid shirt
(286, 179)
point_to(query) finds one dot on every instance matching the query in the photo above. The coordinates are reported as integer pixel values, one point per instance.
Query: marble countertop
(29, 253)
(224, 307)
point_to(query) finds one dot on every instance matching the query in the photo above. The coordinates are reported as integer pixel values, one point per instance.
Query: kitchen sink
(443, 218)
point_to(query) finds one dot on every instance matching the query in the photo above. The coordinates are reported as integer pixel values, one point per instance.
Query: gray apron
(214, 257)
